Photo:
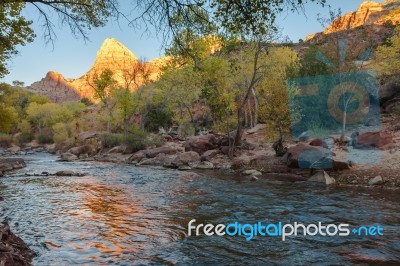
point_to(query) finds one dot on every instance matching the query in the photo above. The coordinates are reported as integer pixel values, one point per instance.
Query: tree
(18, 83)
(273, 94)
(14, 30)
(78, 15)
(194, 36)
(181, 88)
(387, 57)
(103, 85)
(8, 118)
(135, 73)
(235, 16)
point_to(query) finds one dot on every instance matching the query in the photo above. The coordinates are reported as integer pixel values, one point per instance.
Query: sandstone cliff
(112, 55)
(56, 87)
(370, 13)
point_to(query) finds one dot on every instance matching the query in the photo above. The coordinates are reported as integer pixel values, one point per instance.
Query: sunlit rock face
(56, 87)
(112, 55)
(369, 13)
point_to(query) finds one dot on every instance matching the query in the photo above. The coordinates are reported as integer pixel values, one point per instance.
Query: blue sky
(73, 57)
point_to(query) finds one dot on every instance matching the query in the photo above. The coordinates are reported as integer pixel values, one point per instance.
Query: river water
(126, 215)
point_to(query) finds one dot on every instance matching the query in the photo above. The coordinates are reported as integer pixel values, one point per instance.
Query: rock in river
(11, 164)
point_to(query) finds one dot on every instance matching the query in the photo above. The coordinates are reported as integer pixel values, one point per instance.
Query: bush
(110, 140)
(5, 140)
(60, 132)
(154, 140)
(44, 138)
(157, 116)
(25, 137)
(135, 141)
(186, 130)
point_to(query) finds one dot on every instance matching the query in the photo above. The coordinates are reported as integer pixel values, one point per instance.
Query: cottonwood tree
(182, 88)
(273, 93)
(103, 85)
(387, 57)
(78, 15)
(135, 73)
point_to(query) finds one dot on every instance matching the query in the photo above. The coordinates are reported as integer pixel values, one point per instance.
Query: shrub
(154, 140)
(110, 140)
(60, 132)
(186, 130)
(135, 141)
(5, 140)
(25, 137)
(157, 116)
(44, 138)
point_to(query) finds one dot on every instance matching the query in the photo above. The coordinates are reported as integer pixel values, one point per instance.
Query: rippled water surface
(125, 215)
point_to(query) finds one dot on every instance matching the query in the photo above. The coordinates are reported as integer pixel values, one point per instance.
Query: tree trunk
(255, 107)
(246, 119)
(250, 113)
(196, 130)
(237, 140)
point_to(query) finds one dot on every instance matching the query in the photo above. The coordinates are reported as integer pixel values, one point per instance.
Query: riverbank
(13, 250)
(255, 159)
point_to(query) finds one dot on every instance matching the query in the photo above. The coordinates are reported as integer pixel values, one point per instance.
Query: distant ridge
(112, 55)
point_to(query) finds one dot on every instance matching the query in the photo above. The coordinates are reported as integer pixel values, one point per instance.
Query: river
(127, 215)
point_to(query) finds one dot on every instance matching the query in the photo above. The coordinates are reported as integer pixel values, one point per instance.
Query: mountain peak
(113, 50)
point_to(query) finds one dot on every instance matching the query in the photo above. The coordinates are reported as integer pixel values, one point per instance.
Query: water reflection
(122, 215)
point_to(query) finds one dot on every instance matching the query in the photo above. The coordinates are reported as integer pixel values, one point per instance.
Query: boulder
(201, 143)
(168, 161)
(84, 136)
(11, 164)
(68, 173)
(164, 149)
(225, 150)
(318, 143)
(67, 156)
(377, 180)
(34, 144)
(206, 156)
(13, 250)
(322, 177)
(14, 149)
(251, 172)
(118, 149)
(184, 168)
(185, 158)
(380, 140)
(306, 156)
(240, 162)
(83, 156)
(138, 156)
(149, 161)
(80, 150)
(202, 165)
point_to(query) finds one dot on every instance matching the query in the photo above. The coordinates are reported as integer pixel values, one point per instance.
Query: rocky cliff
(56, 87)
(112, 55)
(370, 14)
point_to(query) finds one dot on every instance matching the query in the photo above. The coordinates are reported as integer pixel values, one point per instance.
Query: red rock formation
(112, 55)
(56, 87)
(369, 13)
